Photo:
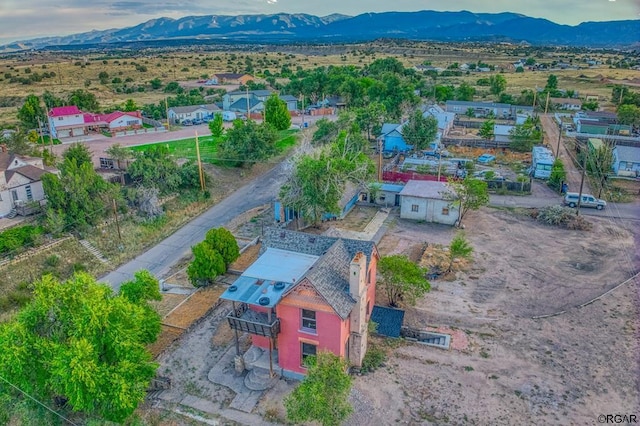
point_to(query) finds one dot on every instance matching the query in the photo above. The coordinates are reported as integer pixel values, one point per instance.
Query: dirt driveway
(566, 369)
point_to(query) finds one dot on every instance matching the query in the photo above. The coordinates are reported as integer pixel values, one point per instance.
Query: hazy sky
(23, 19)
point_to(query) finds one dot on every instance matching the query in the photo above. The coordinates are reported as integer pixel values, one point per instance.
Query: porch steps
(259, 379)
(95, 252)
(251, 356)
(436, 340)
(13, 213)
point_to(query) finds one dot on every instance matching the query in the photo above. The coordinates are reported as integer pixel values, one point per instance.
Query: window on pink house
(308, 320)
(307, 350)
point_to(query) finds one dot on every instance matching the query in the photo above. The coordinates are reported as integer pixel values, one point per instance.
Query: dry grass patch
(195, 307)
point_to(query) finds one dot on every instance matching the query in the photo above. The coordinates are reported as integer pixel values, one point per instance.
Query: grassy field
(186, 148)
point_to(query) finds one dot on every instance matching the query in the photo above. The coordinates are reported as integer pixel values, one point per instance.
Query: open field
(129, 73)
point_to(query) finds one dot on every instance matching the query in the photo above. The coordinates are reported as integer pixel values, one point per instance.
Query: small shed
(426, 200)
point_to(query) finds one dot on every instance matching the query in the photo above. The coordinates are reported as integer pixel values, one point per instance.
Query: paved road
(159, 259)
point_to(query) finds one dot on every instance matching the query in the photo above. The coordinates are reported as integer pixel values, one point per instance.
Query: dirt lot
(504, 367)
(567, 369)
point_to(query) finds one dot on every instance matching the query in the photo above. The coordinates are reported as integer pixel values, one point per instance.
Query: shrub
(373, 359)
(21, 236)
(555, 215)
(52, 261)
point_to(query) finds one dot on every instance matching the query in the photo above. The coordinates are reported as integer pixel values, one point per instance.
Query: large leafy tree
(323, 395)
(79, 195)
(420, 131)
(319, 181)
(402, 279)
(276, 113)
(370, 118)
(79, 153)
(467, 194)
(552, 82)
(155, 168)
(247, 143)
(84, 100)
(216, 126)
(629, 114)
(31, 111)
(79, 343)
(465, 92)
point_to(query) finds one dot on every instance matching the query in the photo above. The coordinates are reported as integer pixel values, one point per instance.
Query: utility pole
(166, 109)
(200, 173)
(546, 105)
(559, 138)
(115, 213)
(584, 169)
(380, 160)
(248, 116)
(535, 95)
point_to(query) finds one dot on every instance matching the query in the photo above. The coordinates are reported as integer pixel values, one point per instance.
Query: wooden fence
(391, 176)
(479, 143)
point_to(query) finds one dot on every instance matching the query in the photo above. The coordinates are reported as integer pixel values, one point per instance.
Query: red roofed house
(19, 181)
(69, 121)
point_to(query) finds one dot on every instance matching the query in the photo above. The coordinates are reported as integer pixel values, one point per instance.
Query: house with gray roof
(626, 160)
(191, 112)
(428, 201)
(305, 293)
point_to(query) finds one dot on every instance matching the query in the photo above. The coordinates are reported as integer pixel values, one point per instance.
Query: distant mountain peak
(301, 27)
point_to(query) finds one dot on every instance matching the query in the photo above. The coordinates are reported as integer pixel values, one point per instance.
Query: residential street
(159, 259)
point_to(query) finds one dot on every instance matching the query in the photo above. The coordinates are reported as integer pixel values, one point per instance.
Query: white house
(66, 121)
(570, 104)
(198, 112)
(425, 200)
(502, 133)
(19, 180)
(445, 119)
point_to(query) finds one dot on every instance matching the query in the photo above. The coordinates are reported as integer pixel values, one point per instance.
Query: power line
(38, 402)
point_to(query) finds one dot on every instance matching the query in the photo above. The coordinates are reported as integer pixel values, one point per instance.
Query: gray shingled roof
(330, 274)
(330, 277)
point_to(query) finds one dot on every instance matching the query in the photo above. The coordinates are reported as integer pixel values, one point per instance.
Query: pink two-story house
(306, 293)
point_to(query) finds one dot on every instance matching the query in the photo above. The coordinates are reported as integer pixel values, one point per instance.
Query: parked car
(488, 174)
(187, 123)
(588, 200)
(486, 158)
(197, 122)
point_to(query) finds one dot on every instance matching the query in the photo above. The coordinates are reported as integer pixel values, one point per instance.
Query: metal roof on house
(391, 187)
(270, 276)
(192, 108)
(288, 98)
(628, 153)
(388, 128)
(241, 104)
(425, 189)
(258, 93)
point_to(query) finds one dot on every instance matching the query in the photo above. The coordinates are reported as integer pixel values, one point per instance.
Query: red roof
(64, 110)
(107, 118)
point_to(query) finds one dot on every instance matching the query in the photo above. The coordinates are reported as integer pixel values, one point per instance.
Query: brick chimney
(358, 317)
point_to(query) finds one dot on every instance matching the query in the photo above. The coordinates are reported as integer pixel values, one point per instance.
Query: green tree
(497, 84)
(216, 126)
(420, 131)
(276, 113)
(156, 83)
(465, 92)
(247, 143)
(84, 100)
(323, 395)
(103, 76)
(629, 114)
(530, 61)
(155, 168)
(326, 131)
(486, 130)
(467, 194)
(558, 175)
(470, 112)
(223, 241)
(459, 249)
(130, 105)
(402, 279)
(30, 112)
(370, 117)
(590, 106)
(207, 264)
(444, 93)
(79, 153)
(524, 136)
(78, 342)
(552, 82)
(18, 143)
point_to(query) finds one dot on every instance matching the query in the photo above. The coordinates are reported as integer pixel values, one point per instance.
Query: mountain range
(291, 28)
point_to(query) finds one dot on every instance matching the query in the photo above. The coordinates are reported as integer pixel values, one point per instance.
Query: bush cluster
(563, 217)
(21, 236)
